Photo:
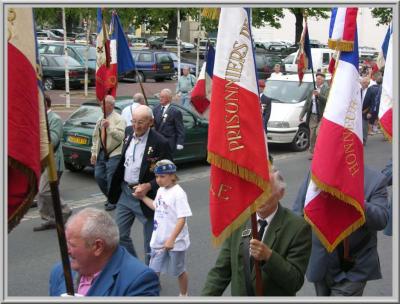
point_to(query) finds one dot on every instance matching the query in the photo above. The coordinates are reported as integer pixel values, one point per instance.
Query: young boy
(170, 238)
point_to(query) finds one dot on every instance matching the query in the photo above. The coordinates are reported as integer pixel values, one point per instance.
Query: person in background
(266, 105)
(100, 267)
(45, 201)
(109, 133)
(365, 107)
(138, 99)
(277, 72)
(170, 238)
(185, 86)
(388, 172)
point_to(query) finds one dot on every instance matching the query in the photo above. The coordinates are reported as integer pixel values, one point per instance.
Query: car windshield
(60, 61)
(81, 50)
(173, 56)
(286, 91)
(85, 115)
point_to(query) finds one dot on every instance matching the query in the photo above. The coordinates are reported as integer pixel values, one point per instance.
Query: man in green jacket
(283, 253)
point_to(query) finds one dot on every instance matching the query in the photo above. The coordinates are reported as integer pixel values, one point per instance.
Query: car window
(44, 61)
(325, 58)
(173, 56)
(163, 58)
(289, 59)
(85, 115)
(286, 91)
(82, 49)
(145, 57)
(273, 60)
(60, 61)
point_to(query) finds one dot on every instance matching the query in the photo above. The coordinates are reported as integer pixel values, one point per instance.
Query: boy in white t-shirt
(170, 238)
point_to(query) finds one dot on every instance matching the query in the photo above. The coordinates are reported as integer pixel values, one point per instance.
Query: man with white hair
(143, 147)
(100, 266)
(185, 86)
(138, 99)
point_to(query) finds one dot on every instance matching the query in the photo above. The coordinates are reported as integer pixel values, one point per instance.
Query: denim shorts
(166, 261)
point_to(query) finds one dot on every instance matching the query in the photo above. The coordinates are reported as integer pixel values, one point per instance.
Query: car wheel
(49, 84)
(74, 167)
(302, 139)
(139, 76)
(175, 77)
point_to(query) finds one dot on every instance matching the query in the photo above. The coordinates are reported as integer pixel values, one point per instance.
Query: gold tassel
(385, 134)
(211, 13)
(341, 45)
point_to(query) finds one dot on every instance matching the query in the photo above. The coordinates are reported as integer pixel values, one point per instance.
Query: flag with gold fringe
(236, 142)
(304, 58)
(334, 204)
(27, 130)
(342, 28)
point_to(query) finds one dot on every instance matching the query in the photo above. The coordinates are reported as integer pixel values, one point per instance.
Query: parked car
(53, 69)
(170, 45)
(76, 51)
(288, 99)
(157, 43)
(47, 35)
(187, 46)
(320, 58)
(78, 130)
(138, 43)
(265, 64)
(203, 45)
(81, 38)
(192, 67)
(157, 65)
(60, 33)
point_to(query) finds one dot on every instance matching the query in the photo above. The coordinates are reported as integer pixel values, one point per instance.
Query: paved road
(31, 255)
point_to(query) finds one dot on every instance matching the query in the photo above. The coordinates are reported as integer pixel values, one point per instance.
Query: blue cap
(165, 166)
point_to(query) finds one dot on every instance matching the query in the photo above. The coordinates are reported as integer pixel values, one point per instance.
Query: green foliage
(384, 15)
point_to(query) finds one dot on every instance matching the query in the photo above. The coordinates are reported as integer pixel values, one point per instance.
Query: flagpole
(178, 38)
(55, 194)
(67, 91)
(107, 65)
(198, 47)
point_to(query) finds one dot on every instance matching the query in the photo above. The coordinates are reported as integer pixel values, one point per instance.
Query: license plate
(83, 81)
(78, 140)
(166, 67)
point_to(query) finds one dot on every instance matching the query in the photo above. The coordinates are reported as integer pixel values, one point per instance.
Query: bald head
(142, 119)
(165, 97)
(139, 98)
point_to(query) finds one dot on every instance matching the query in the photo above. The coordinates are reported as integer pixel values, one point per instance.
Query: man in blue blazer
(168, 121)
(325, 270)
(100, 266)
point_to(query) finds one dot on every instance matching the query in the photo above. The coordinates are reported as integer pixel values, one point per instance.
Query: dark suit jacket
(170, 125)
(369, 99)
(159, 150)
(367, 266)
(123, 275)
(322, 98)
(289, 237)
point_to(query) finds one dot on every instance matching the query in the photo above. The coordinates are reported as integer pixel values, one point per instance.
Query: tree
(384, 15)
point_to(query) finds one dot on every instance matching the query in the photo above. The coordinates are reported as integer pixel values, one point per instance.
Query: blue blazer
(170, 126)
(123, 275)
(367, 266)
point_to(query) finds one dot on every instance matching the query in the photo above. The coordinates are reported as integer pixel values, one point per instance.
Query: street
(32, 254)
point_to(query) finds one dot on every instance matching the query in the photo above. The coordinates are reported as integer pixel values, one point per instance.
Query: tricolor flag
(334, 204)
(27, 130)
(386, 105)
(103, 59)
(201, 94)
(304, 58)
(342, 28)
(236, 143)
(384, 48)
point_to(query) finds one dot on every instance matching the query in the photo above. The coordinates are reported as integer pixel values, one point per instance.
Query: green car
(78, 130)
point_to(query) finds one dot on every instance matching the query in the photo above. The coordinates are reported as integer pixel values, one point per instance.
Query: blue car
(184, 62)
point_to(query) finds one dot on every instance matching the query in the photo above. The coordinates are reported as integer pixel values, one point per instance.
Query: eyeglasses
(139, 123)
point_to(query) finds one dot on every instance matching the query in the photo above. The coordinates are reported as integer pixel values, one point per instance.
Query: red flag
(304, 57)
(237, 144)
(27, 138)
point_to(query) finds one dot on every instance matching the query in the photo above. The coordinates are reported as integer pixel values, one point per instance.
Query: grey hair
(148, 110)
(110, 99)
(168, 91)
(97, 224)
(139, 98)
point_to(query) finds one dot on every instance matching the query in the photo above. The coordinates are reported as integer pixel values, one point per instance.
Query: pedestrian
(332, 273)
(45, 200)
(283, 251)
(370, 100)
(314, 108)
(169, 122)
(143, 147)
(365, 106)
(106, 149)
(138, 99)
(185, 86)
(266, 105)
(277, 72)
(100, 267)
(170, 238)
(388, 172)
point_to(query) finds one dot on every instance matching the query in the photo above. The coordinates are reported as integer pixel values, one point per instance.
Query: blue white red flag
(28, 144)
(342, 28)
(384, 48)
(102, 58)
(236, 144)
(304, 58)
(385, 114)
(334, 204)
(201, 94)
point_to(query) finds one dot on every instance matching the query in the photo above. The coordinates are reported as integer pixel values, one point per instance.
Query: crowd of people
(133, 158)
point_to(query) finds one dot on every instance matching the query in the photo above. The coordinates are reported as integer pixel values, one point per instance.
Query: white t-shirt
(127, 113)
(170, 204)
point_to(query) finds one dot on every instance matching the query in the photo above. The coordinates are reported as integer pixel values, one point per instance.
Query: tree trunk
(299, 25)
(173, 25)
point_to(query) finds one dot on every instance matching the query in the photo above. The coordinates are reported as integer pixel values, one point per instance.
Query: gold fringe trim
(16, 217)
(341, 45)
(385, 133)
(211, 13)
(233, 168)
(241, 219)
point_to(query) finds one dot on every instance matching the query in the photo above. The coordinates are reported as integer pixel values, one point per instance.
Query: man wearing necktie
(143, 147)
(169, 122)
(283, 252)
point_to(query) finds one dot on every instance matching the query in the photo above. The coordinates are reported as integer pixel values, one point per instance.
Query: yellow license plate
(166, 67)
(78, 140)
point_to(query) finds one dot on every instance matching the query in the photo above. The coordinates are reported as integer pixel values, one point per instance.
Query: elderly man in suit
(314, 108)
(333, 275)
(100, 267)
(45, 201)
(283, 252)
(168, 121)
(143, 147)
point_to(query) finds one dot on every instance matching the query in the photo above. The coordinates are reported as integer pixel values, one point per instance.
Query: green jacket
(56, 133)
(289, 237)
(322, 98)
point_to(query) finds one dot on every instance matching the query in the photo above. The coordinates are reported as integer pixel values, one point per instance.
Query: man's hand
(169, 244)
(369, 115)
(315, 93)
(300, 118)
(259, 251)
(105, 123)
(141, 190)
(179, 147)
(93, 159)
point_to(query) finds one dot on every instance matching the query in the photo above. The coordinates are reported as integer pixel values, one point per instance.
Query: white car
(288, 99)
